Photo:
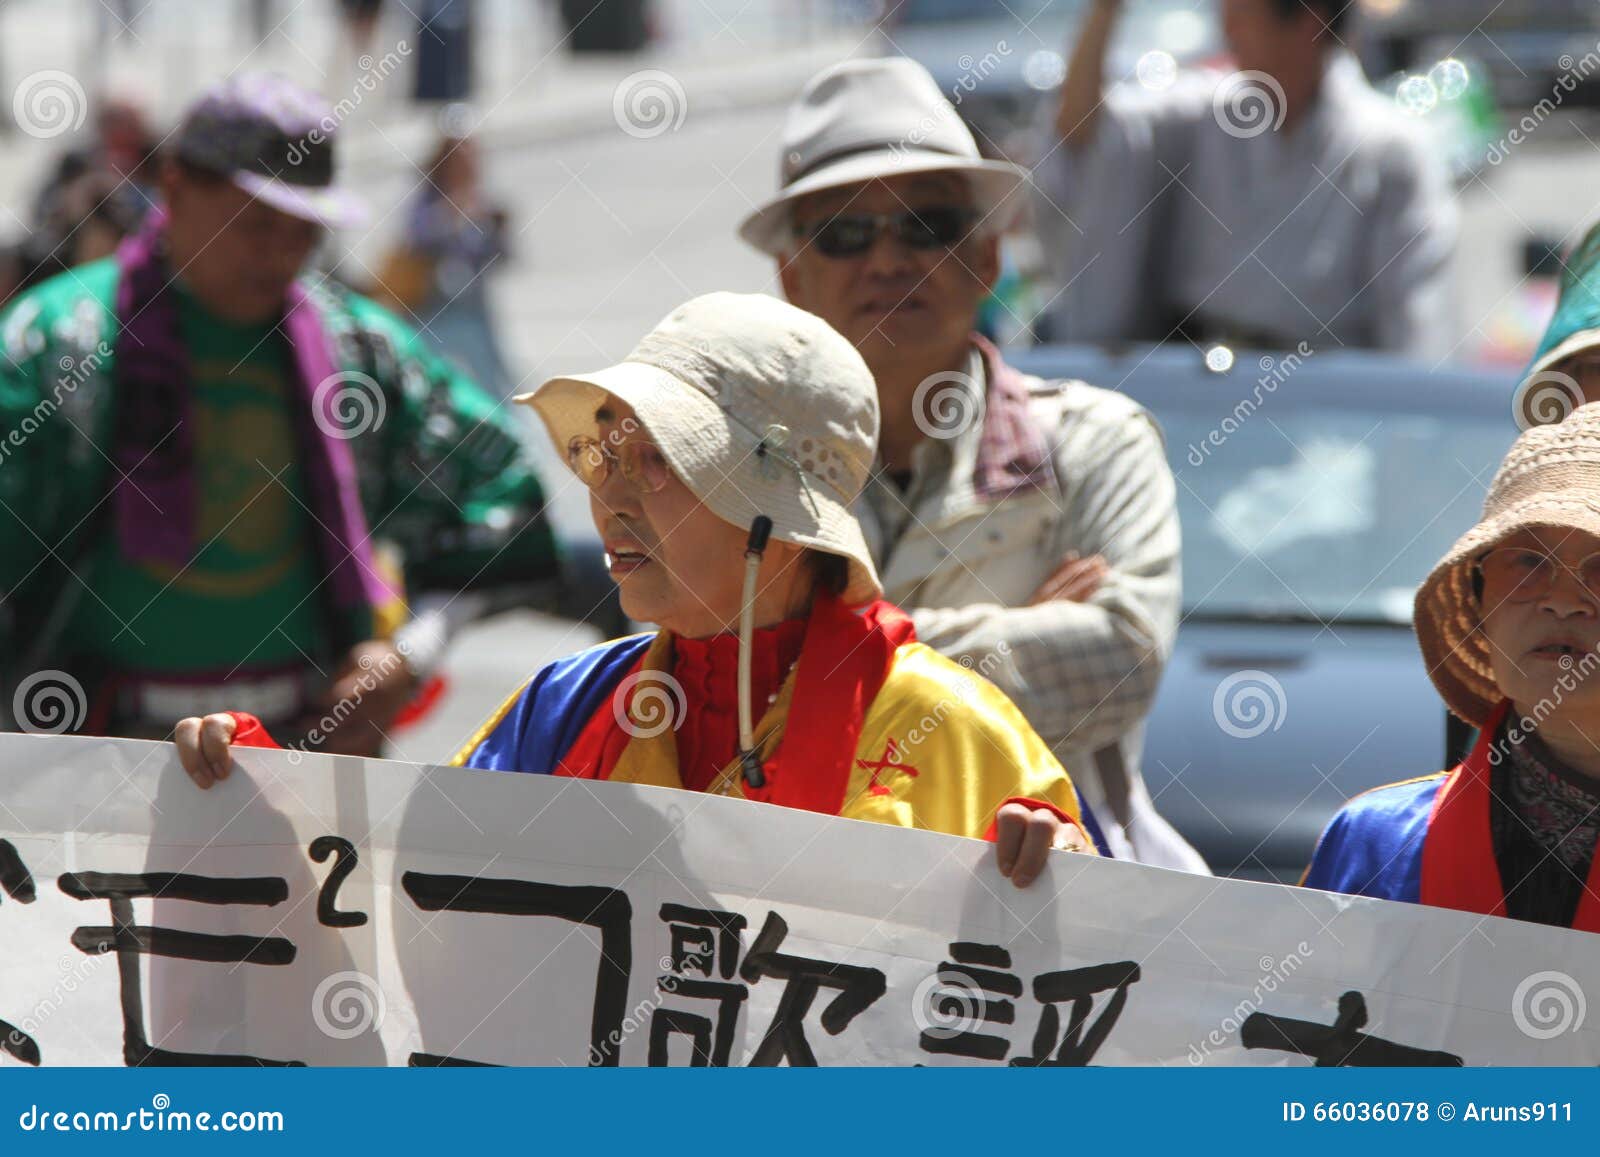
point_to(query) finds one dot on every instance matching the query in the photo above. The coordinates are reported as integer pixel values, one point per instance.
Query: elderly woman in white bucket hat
(722, 456)
(1509, 625)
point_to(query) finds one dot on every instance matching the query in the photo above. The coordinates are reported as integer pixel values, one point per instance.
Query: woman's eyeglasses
(641, 463)
(852, 234)
(1521, 574)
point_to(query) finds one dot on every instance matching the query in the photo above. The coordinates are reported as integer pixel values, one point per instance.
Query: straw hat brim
(716, 458)
(994, 187)
(1584, 339)
(1447, 615)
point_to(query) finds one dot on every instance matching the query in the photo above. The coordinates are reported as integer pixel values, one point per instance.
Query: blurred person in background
(1282, 202)
(1027, 527)
(85, 220)
(205, 448)
(361, 18)
(454, 237)
(123, 145)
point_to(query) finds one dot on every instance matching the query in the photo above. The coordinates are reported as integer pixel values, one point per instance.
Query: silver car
(1315, 491)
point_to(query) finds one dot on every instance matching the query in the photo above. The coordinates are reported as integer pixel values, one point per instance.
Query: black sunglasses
(852, 234)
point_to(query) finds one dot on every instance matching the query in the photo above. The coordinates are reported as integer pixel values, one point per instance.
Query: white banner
(346, 912)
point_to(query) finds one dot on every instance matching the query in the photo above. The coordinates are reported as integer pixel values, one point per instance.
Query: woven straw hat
(1551, 478)
(759, 407)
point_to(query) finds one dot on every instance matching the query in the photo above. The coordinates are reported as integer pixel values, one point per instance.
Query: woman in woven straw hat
(1509, 625)
(722, 457)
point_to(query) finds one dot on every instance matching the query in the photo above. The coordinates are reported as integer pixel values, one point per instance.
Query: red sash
(1458, 864)
(843, 662)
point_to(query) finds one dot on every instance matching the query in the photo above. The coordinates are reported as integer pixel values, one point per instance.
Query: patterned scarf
(155, 500)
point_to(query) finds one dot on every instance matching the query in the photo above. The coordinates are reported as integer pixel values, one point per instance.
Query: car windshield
(1323, 514)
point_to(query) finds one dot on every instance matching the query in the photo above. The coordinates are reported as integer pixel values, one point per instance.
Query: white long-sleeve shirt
(1190, 206)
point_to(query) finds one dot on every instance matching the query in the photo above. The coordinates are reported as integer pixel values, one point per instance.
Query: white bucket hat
(758, 406)
(863, 120)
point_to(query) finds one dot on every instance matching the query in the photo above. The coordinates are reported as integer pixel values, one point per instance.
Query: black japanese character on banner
(1342, 1044)
(785, 1039)
(606, 909)
(130, 941)
(707, 942)
(18, 884)
(1078, 985)
(956, 1001)
(345, 859)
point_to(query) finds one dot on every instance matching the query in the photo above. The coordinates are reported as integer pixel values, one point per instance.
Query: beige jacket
(962, 559)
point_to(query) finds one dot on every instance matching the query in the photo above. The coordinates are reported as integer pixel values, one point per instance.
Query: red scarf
(1458, 865)
(843, 662)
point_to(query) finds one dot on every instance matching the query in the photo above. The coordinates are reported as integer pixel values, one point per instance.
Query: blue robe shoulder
(1373, 846)
(534, 728)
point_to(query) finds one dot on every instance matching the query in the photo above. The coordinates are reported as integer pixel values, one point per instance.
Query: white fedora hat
(867, 119)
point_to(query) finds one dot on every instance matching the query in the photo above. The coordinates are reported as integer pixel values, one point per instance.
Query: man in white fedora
(1028, 527)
